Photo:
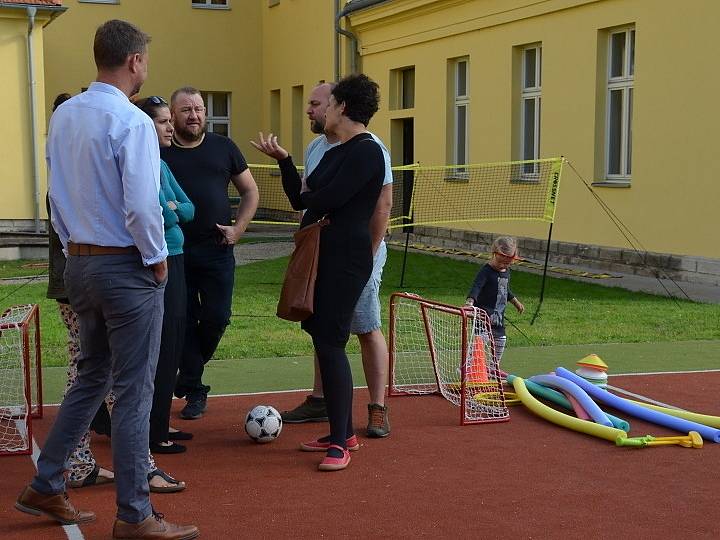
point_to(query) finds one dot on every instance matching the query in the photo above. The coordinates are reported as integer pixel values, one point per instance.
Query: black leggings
(338, 389)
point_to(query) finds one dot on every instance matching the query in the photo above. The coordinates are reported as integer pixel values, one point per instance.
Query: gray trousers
(120, 310)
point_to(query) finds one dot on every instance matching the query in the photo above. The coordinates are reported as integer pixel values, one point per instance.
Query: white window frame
(531, 93)
(623, 83)
(205, 4)
(459, 101)
(212, 119)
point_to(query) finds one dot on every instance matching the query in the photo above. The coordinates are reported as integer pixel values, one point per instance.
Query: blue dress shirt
(104, 161)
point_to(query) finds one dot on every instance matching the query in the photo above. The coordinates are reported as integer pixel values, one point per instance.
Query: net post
(38, 363)
(402, 273)
(544, 276)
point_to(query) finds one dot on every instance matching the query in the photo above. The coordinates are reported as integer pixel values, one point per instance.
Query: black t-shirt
(491, 292)
(203, 173)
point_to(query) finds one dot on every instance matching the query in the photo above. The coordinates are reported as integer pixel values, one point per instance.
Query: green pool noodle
(557, 398)
(565, 420)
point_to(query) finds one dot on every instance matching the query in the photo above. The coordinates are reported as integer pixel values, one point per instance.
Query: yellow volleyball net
(440, 195)
(507, 191)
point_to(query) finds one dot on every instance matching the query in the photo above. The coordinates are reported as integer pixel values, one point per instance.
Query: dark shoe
(179, 436)
(57, 507)
(196, 403)
(101, 423)
(174, 487)
(378, 422)
(92, 479)
(172, 448)
(154, 527)
(311, 410)
(194, 409)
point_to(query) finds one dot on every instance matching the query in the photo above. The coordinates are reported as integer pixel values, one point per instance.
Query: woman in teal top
(177, 209)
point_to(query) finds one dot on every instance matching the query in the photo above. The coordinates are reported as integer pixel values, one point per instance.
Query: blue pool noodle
(678, 424)
(559, 399)
(586, 402)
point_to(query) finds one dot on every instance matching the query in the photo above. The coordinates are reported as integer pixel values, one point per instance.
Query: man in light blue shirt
(366, 322)
(104, 162)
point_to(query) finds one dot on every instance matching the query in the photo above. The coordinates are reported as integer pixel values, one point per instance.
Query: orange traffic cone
(477, 370)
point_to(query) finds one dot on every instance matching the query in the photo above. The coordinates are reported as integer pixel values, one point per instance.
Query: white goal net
(20, 378)
(439, 348)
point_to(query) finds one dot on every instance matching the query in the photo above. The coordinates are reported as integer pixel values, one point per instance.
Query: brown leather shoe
(57, 507)
(154, 527)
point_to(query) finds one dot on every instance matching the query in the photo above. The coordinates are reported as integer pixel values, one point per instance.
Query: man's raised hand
(269, 146)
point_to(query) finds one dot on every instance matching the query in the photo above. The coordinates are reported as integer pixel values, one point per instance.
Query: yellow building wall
(674, 179)
(298, 50)
(270, 56)
(17, 192)
(211, 49)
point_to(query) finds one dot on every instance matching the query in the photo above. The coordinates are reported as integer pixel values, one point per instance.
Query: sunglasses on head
(156, 100)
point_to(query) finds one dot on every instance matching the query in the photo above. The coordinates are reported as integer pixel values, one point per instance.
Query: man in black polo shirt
(204, 163)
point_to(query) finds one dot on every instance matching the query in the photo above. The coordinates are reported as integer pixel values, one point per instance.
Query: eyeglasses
(188, 110)
(156, 100)
(502, 256)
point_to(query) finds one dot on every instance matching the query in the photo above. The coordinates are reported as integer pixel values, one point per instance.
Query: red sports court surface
(430, 478)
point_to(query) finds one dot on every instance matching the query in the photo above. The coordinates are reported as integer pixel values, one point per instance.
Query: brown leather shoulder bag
(298, 290)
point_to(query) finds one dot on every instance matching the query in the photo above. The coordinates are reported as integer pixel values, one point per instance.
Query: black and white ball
(263, 424)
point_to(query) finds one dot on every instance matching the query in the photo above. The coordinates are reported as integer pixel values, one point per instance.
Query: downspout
(350, 7)
(31, 12)
(337, 40)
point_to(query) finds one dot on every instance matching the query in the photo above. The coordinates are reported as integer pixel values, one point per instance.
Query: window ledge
(211, 6)
(458, 177)
(612, 183)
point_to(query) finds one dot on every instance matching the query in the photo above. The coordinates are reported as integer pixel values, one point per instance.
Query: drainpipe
(31, 11)
(351, 7)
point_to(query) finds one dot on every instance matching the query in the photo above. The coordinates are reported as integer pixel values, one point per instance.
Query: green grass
(23, 268)
(573, 313)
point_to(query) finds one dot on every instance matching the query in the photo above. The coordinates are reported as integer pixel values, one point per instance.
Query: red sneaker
(318, 446)
(333, 463)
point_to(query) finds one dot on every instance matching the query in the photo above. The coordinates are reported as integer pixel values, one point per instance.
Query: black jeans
(171, 346)
(210, 277)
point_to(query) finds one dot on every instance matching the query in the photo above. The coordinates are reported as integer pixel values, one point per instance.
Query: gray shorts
(366, 317)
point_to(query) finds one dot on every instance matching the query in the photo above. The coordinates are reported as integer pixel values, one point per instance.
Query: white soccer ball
(263, 424)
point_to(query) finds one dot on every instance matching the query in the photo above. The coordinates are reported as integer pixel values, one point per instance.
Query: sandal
(93, 479)
(174, 487)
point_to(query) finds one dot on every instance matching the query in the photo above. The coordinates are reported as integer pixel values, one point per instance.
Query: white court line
(666, 372)
(71, 531)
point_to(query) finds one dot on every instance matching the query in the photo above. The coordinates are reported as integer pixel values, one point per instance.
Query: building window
(402, 82)
(275, 112)
(530, 99)
(460, 111)
(218, 112)
(619, 104)
(298, 120)
(211, 4)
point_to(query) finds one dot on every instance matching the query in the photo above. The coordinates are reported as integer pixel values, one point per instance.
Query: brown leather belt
(90, 249)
